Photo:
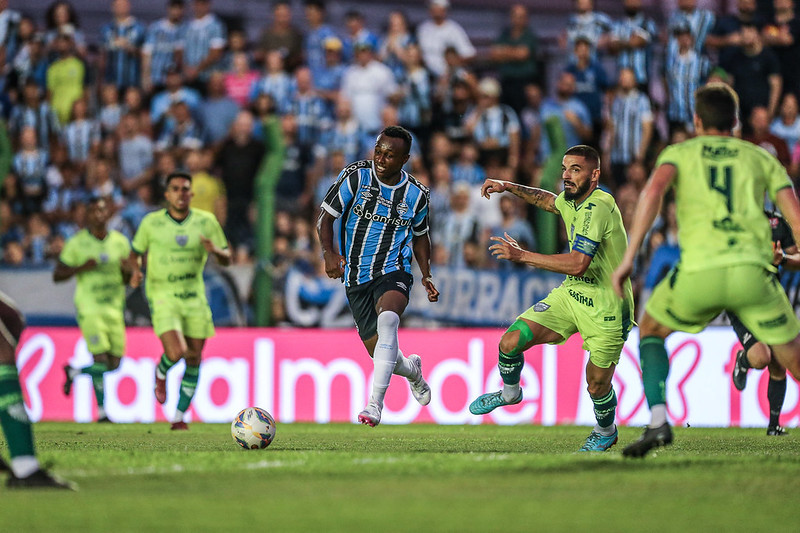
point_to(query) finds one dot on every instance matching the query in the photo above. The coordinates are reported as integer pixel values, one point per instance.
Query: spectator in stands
(515, 226)
(35, 112)
(208, 191)
(82, 134)
(99, 183)
(239, 79)
(685, 70)
(356, 34)
(334, 164)
(36, 242)
(782, 34)
(318, 32)
(110, 109)
(275, 82)
(166, 163)
(203, 44)
(238, 161)
(133, 103)
(282, 36)
(459, 226)
(416, 89)
(327, 79)
(394, 45)
(466, 169)
(161, 50)
(631, 41)
(369, 85)
(629, 128)
(699, 21)
(30, 61)
(726, 35)
(30, 169)
(294, 190)
(135, 156)
(573, 114)
(756, 73)
(586, 22)
(237, 44)
(494, 128)
(61, 17)
(309, 109)
(180, 132)
(787, 125)
(439, 204)
(9, 33)
(515, 53)
(531, 123)
(761, 136)
(174, 91)
(121, 42)
(437, 34)
(66, 75)
(345, 135)
(456, 92)
(217, 111)
(591, 83)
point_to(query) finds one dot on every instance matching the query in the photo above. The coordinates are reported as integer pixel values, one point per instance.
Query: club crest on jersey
(181, 239)
(402, 208)
(104, 258)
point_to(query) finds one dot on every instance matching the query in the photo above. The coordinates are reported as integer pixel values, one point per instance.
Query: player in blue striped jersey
(161, 50)
(203, 43)
(631, 40)
(121, 41)
(384, 213)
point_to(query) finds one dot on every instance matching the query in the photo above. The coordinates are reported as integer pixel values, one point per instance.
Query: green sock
(605, 409)
(511, 367)
(96, 371)
(655, 368)
(188, 386)
(13, 417)
(164, 365)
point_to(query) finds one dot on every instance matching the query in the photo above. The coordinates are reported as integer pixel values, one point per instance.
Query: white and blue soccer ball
(253, 428)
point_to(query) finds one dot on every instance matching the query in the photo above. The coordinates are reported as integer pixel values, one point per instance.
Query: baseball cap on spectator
(362, 45)
(332, 43)
(440, 3)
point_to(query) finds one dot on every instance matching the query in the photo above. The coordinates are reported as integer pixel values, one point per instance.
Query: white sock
(73, 372)
(605, 431)
(385, 355)
(101, 412)
(403, 366)
(178, 417)
(24, 465)
(511, 392)
(658, 415)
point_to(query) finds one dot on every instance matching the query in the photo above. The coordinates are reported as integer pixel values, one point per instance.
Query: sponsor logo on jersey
(581, 298)
(181, 239)
(359, 210)
(541, 307)
(366, 194)
(719, 152)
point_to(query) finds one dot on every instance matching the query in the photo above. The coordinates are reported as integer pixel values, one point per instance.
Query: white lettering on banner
(334, 314)
(264, 374)
(82, 389)
(38, 343)
(470, 372)
(550, 384)
(236, 375)
(322, 376)
(142, 408)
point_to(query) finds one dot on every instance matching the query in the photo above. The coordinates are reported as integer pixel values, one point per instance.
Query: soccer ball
(253, 428)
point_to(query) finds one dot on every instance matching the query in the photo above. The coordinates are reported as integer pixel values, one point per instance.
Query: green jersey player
(726, 248)
(584, 303)
(178, 241)
(99, 258)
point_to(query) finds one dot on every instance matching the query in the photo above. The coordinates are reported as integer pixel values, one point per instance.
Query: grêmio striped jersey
(378, 221)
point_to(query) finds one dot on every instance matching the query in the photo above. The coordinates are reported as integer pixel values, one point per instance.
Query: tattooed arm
(539, 197)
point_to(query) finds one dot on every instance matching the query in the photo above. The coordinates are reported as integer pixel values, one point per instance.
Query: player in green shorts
(178, 241)
(99, 259)
(584, 303)
(726, 248)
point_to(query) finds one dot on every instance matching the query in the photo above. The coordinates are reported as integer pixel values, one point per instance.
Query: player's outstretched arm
(533, 195)
(422, 253)
(647, 209)
(574, 263)
(63, 272)
(334, 262)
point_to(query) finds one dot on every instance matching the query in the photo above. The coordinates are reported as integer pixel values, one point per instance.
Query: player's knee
(509, 342)
(388, 322)
(598, 388)
(191, 358)
(113, 363)
(759, 356)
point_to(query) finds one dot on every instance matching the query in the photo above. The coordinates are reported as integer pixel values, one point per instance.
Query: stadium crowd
(112, 114)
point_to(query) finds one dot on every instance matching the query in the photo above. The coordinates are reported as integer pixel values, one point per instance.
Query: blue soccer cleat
(486, 403)
(596, 442)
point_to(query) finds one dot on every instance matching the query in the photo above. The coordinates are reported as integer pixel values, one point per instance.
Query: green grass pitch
(341, 477)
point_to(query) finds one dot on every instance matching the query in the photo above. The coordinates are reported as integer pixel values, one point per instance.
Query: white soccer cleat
(371, 415)
(419, 387)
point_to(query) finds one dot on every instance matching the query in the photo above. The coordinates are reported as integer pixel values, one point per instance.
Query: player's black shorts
(745, 337)
(363, 299)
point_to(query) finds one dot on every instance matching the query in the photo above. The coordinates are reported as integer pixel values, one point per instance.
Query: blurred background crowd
(111, 112)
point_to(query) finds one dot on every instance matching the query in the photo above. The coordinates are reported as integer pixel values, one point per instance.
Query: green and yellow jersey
(719, 191)
(595, 228)
(176, 255)
(102, 288)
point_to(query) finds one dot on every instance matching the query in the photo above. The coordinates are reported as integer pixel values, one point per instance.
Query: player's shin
(15, 423)
(96, 371)
(385, 354)
(188, 386)
(776, 393)
(605, 410)
(510, 366)
(655, 369)
(163, 366)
